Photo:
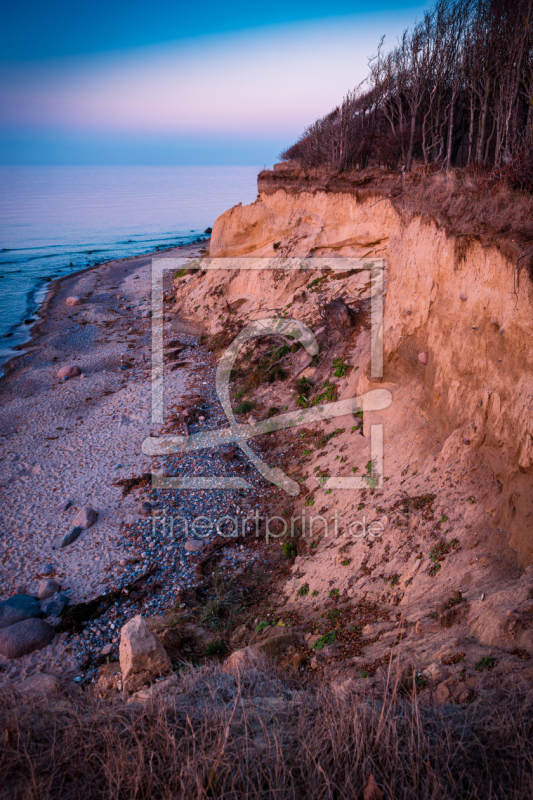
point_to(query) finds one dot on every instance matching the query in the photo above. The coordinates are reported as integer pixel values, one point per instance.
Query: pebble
(47, 587)
(70, 537)
(463, 297)
(73, 301)
(193, 545)
(85, 518)
(423, 358)
(69, 372)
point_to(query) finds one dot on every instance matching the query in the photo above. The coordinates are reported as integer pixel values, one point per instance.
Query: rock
(181, 640)
(408, 312)
(24, 637)
(271, 648)
(442, 694)
(85, 518)
(55, 605)
(69, 372)
(463, 297)
(39, 684)
(337, 314)
(17, 608)
(141, 652)
(47, 587)
(193, 545)
(146, 509)
(73, 301)
(436, 672)
(145, 695)
(466, 695)
(423, 358)
(48, 568)
(70, 537)
(107, 649)
(146, 314)
(64, 505)
(372, 790)
(109, 680)
(208, 230)
(426, 626)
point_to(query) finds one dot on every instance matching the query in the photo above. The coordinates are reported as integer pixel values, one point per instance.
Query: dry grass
(209, 742)
(472, 204)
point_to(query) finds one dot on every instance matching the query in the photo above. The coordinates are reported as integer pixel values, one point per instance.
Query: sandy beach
(70, 442)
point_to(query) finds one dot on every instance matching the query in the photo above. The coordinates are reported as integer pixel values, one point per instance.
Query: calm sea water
(55, 220)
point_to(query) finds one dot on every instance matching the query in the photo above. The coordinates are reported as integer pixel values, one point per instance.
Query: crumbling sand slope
(456, 505)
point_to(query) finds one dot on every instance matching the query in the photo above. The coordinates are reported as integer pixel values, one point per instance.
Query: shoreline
(72, 442)
(54, 286)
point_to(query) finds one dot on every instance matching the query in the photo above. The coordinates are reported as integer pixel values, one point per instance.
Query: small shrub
(261, 626)
(272, 411)
(340, 368)
(486, 662)
(288, 549)
(244, 407)
(303, 590)
(216, 649)
(328, 638)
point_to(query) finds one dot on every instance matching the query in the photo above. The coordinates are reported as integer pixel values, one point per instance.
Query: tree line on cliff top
(456, 90)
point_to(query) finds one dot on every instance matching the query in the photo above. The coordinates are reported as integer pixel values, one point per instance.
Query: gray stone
(107, 649)
(55, 605)
(70, 537)
(47, 587)
(18, 608)
(146, 509)
(24, 637)
(85, 517)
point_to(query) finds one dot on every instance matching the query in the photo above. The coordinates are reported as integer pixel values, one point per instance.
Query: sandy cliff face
(463, 306)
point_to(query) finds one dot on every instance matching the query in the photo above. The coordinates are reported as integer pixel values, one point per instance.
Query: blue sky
(173, 83)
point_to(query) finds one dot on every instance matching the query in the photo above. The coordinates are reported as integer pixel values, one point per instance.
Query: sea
(55, 220)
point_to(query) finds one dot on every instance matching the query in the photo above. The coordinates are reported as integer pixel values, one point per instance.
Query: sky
(179, 83)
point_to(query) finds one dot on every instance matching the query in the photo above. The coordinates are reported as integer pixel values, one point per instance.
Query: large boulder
(25, 637)
(18, 608)
(142, 656)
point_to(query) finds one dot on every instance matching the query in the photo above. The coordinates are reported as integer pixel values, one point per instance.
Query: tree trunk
(411, 143)
(483, 122)
(471, 130)
(450, 135)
